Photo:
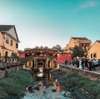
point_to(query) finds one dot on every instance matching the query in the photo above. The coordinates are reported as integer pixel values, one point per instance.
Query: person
(83, 63)
(77, 62)
(55, 83)
(90, 64)
(80, 63)
(58, 86)
(86, 63)
(66, 62)
(94, 63)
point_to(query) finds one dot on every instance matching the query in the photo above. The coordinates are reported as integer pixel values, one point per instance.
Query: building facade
(94, 51)
(8, 40)
(78, 41)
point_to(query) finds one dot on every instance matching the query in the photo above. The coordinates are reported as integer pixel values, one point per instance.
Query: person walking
(80, 63)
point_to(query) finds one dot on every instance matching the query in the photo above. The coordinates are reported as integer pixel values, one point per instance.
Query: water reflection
(47, 93)
(47, 88)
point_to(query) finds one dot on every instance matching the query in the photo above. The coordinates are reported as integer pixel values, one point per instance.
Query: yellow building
(8, 40)
(78, 41)
(94, 51)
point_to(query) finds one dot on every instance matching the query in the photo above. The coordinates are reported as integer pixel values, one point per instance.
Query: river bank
(13, 86)
(80, 87)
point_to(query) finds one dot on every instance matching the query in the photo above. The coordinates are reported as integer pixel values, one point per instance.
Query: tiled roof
(4, 28)
(98, 41)
(83, 38)
(7, 29)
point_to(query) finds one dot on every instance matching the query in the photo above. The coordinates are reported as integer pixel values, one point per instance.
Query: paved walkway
(97, 68)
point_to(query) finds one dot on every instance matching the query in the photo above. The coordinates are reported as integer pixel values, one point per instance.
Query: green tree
(57, 47)
(78, 51)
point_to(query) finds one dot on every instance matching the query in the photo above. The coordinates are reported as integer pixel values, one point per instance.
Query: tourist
(86, 63)
(77, 62)
(58, 86)
(80, 63)
(94, 62)
(66, 62)
(83, 63)
(90, 64)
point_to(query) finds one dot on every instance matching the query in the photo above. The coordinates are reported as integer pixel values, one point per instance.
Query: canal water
(40, 91)
(47, 95)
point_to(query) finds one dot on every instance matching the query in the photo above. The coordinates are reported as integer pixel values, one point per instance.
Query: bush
(15, 83)
(81, 87)
(3, 94)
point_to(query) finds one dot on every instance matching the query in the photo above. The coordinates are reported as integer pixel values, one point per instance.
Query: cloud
(88, 4)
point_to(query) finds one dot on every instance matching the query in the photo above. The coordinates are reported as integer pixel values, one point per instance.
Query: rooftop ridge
(7, 30)
(98, 41)
(79, 37)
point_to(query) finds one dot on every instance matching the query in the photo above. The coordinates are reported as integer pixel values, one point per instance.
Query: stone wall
(2, 73)
(89, 74)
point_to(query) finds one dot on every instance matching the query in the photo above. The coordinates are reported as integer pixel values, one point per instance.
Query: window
(6, 54)
(16, 45)
(95, 55)
(3, 36)
(91, 55)
(7, 40)
(11, 43)
(29, 63)
(0, 55)
(82, 45)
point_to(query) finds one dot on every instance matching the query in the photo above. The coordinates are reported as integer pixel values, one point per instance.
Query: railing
(93, 75)
(9, 62)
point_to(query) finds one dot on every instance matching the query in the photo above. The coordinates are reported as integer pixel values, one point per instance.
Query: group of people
(85, 63)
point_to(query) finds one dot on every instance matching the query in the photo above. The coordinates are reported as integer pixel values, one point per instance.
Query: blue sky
(51, 22)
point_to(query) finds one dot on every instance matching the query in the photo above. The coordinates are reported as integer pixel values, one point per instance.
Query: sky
(51, 22)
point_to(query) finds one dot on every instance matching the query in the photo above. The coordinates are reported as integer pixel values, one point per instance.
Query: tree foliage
(78, 51)
(57, 47)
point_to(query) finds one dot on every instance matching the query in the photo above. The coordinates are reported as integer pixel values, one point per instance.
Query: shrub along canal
(61, 85)
(13, 85)
(80, 87)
